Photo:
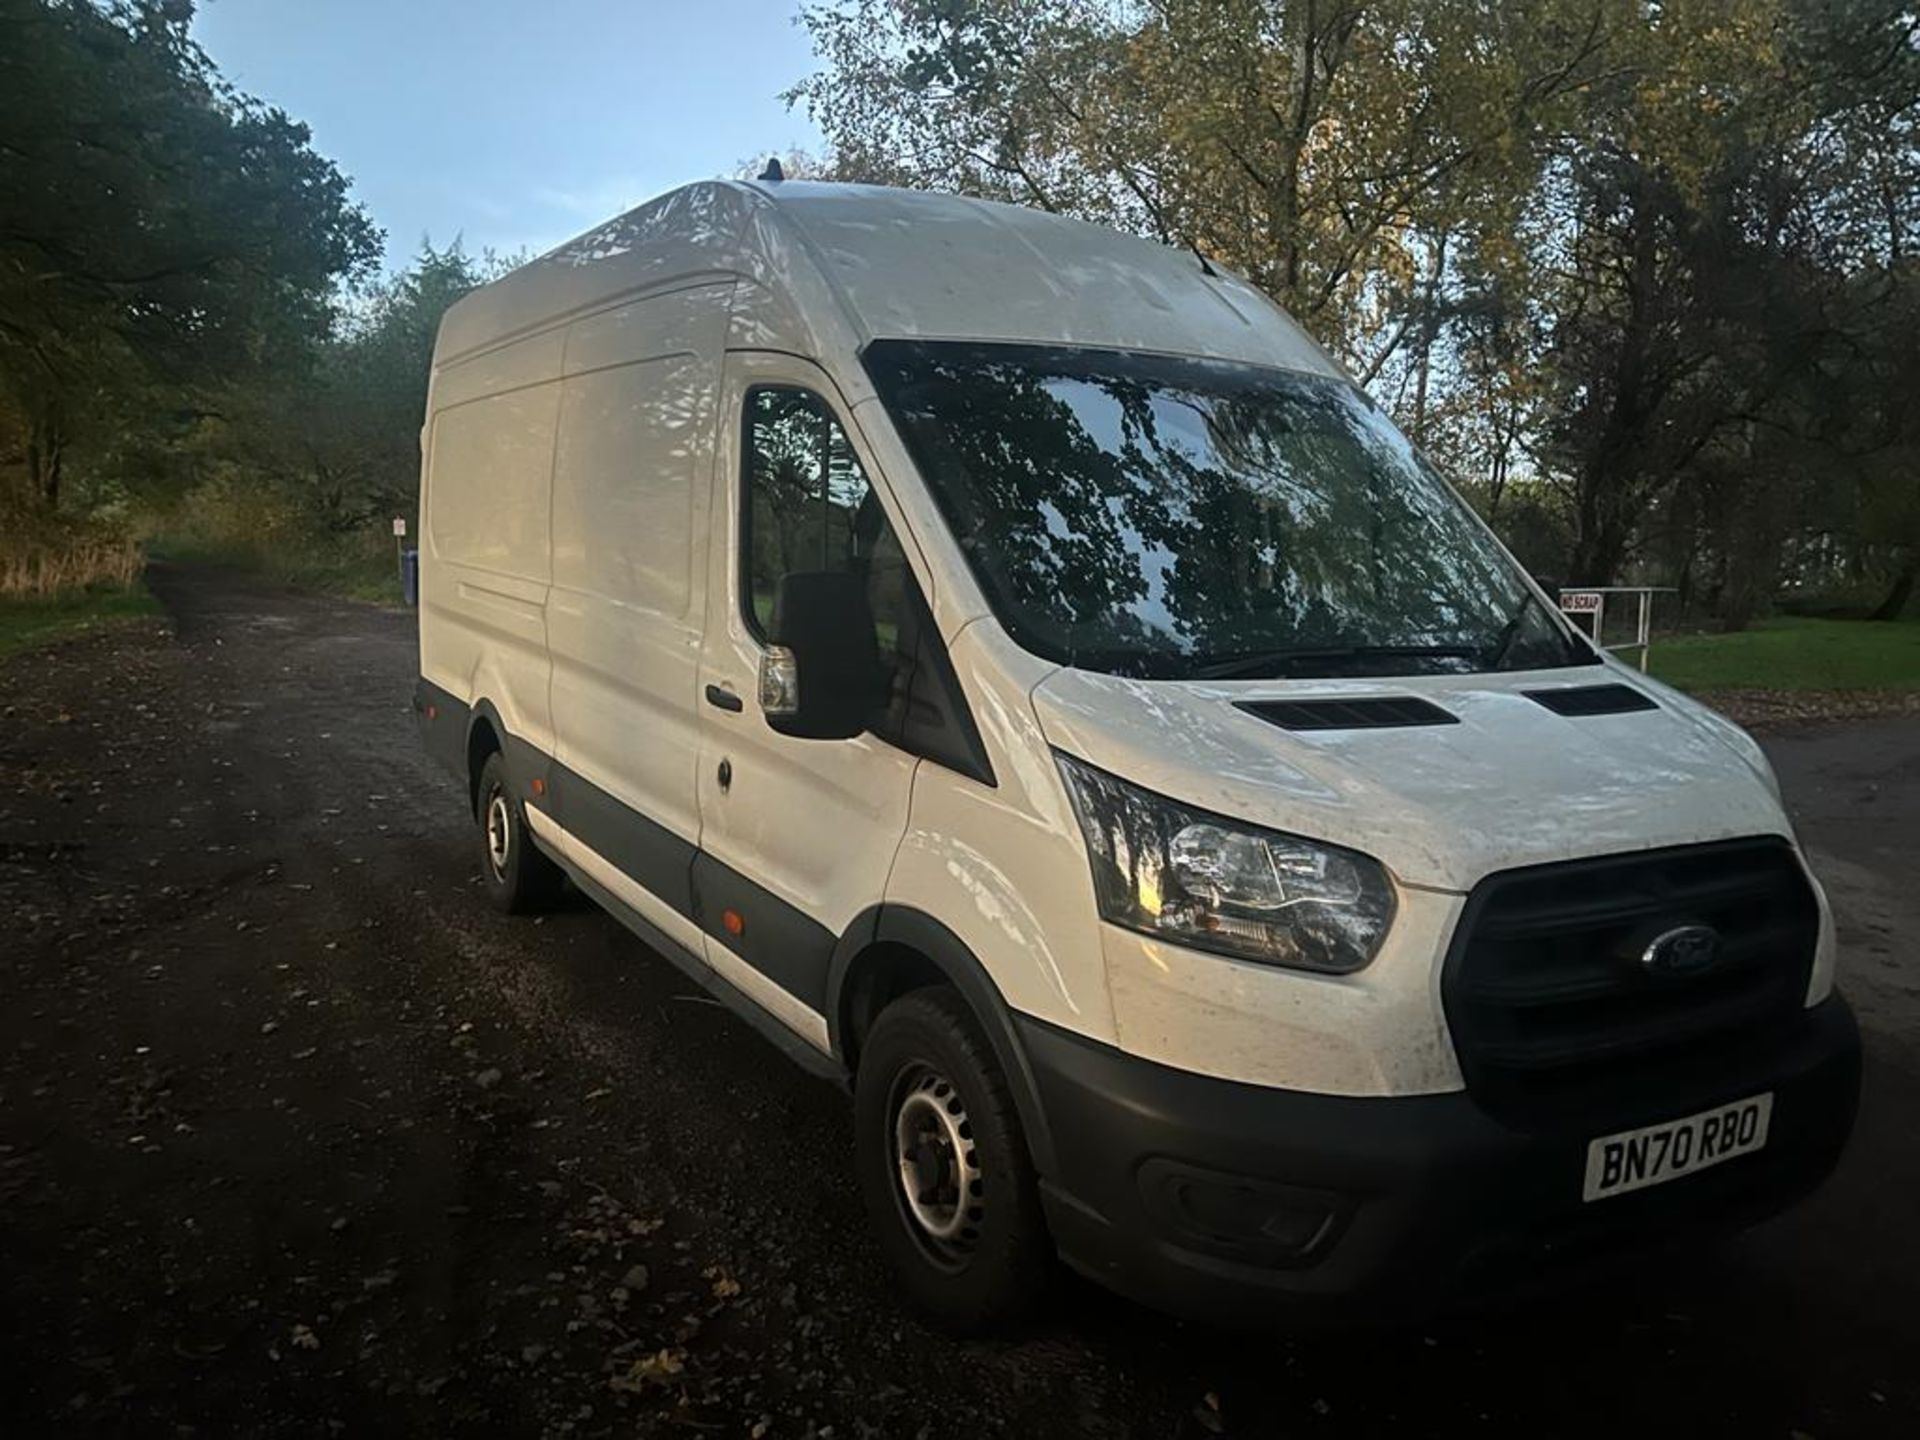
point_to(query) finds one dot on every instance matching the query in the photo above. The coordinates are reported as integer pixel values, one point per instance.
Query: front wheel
(519, 878)
(943, 1165)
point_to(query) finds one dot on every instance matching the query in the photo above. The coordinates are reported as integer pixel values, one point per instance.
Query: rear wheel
(519, 878)
(943, 1165)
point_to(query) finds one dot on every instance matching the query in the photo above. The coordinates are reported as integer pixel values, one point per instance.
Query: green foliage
(1531, 522)
(1794, 654)
(163, 236)
(1643, 279)
(340, 439)
(27, 624)
(1303, 144)
(303, 473)
(190, 338)
(236, 520)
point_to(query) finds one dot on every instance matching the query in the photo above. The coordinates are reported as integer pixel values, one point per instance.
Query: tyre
(944, 1168)
(519, 878)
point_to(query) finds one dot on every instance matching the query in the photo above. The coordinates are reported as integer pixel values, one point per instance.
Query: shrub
(265, 529)
(42, 556)
(227, 519)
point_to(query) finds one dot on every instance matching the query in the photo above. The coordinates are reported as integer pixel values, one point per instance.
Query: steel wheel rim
(499, 833)
(936, 1161)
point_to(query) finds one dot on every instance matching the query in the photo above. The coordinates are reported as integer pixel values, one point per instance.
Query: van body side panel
(632, 467)
(485, 551)
(692, 231)
(1002, 865)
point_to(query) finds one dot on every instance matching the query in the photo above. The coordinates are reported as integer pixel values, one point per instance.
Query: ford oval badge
(1681, 951)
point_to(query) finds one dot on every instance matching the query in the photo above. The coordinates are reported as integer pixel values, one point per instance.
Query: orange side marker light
(734, 921)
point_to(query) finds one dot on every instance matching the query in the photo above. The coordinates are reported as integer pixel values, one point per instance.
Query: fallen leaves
(1761, 709)
(649, 1371)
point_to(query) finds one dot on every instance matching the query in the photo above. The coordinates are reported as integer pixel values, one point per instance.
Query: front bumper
(1246, 1204)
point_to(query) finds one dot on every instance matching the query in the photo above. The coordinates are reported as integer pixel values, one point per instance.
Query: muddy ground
(299, 1137)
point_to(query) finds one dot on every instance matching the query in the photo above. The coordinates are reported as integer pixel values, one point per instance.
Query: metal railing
(1592, 600)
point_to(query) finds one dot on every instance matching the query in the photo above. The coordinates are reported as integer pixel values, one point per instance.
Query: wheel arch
(890, 950)
(486, 735)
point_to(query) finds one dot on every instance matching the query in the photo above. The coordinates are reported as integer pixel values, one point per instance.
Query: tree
(1618, 259)
(371, 388)
(158, 230)
(1695, 269)
(1320, 148)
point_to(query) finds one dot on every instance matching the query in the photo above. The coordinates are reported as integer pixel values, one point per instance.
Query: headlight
(1166, 869)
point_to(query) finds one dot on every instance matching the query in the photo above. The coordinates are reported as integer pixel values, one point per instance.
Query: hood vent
(1580, 700)
(1387, 712)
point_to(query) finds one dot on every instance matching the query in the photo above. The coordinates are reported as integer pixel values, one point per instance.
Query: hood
(1443, 805)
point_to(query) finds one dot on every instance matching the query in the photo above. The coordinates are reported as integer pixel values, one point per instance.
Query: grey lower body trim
(779, 941)
(725, 991)
(443, 722)
(643, 850)
(782, 943)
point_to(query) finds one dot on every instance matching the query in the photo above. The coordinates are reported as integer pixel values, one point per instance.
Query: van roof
(896, 264)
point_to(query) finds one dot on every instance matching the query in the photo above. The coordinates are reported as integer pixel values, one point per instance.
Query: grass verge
(26, 624)
(1795, 654)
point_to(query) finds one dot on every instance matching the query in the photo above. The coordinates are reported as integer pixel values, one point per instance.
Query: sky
(518, 125)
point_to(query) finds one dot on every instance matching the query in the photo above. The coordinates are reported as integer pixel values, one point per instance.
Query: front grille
(1553, 1015)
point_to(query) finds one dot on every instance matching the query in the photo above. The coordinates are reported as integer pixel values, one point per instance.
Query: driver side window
(809, 508)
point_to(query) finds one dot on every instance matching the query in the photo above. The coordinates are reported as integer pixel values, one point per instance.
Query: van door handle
(725, 699)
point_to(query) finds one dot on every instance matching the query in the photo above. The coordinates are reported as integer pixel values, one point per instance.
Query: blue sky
(518, 124)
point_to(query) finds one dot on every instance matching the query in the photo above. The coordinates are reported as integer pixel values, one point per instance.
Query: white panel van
(1014, 666)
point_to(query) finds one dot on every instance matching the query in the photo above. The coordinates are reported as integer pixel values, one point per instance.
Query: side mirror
(820, 677)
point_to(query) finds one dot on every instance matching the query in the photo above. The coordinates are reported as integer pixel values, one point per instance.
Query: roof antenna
(773, 170)
(1206, 265)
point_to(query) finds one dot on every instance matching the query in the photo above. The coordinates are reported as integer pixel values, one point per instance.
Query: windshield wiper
(1253, 662)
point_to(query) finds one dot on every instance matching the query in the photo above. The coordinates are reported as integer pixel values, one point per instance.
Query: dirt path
(298, 1137)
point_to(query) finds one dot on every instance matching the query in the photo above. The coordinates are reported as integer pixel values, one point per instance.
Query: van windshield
(1182, 518)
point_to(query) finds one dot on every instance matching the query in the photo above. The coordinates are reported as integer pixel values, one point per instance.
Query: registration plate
(1635, 1159)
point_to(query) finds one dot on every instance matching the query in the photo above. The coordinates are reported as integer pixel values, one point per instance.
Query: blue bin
(410, 576)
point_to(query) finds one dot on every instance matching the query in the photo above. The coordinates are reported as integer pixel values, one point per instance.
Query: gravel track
(299, 1137)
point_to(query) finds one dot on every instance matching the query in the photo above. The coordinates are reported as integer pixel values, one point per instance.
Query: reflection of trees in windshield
(1146, 513)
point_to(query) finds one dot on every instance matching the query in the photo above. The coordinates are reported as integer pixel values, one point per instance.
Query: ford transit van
(1016, 668)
